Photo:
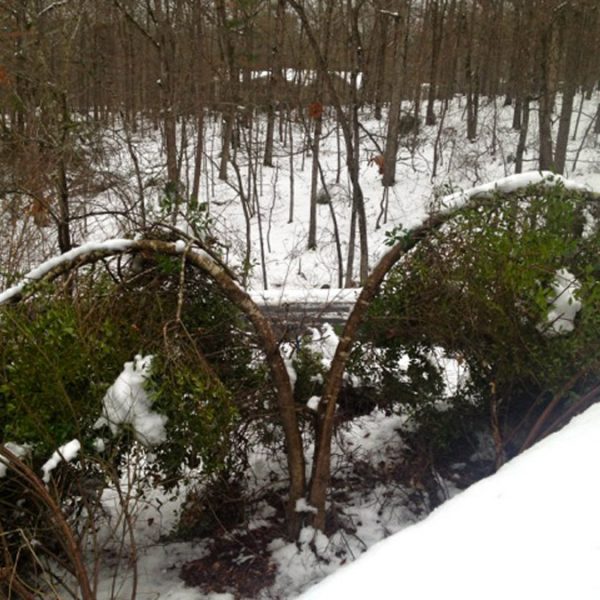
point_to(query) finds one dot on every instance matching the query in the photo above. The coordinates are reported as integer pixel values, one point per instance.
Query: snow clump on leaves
(128, 401)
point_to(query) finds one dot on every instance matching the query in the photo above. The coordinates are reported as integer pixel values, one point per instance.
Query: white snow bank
(18, 450)
(66, 452)
(564, 304)
(128, 402)
(530, 531)
(507, 185)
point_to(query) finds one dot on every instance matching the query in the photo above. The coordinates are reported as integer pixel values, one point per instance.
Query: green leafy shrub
(59, 356)
(481, 290)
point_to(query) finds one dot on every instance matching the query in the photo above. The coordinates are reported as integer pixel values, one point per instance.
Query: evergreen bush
(482, 292)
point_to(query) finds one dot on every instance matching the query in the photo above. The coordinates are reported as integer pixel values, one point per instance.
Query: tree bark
(437, 20)
(547, 95)
(393, 129)
(522, 136)
(274, 79)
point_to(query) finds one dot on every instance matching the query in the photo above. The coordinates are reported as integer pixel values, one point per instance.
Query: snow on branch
(510, 184)
(67, 452)
(114, 246)
(389, 13)
(94, 250)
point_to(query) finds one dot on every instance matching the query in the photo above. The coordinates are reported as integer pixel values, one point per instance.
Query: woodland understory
(170, 170)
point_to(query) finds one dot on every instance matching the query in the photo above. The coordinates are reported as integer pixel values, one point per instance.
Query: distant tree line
(70, 69)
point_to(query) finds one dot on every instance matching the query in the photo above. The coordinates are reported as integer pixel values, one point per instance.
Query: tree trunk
(64, 217)
(564, 127)
(522, 136)
(547, 95)
(393, 129)
(321, 465)
(228, 53)
(314, 184)
(437, 18)
(274, 78)
(517, 113)
(472, 76)
(378, 88)
(572, 31)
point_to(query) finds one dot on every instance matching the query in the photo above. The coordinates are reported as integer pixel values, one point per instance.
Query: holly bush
(481, 291)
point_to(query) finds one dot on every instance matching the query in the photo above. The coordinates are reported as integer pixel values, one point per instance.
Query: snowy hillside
(530, 531)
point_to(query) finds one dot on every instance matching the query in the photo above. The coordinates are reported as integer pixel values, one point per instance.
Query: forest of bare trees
(71, 70)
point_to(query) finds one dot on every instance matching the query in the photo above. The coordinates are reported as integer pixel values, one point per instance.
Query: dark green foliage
(59, 356)
(56, 364)
(480, 289)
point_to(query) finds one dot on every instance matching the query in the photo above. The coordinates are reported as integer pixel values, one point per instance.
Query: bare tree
(351, 143)
(401, 23)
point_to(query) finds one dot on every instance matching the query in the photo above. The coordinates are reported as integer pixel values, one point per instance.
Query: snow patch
(18, 450)
(313, 403)
(564, 304)
(66, 452)
(128, 402)
(288, 361)
(302, 506)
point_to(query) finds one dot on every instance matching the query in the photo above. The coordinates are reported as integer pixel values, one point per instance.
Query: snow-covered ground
(373, 441)
(530, 531)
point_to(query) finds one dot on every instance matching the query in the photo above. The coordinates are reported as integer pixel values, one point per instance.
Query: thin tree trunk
(522, 136)
(64, 217)
(274, 78)
(314, 184)
(574, 21)
(517, 113)
(437, 18)
(564, 127)
(336, 232)
(547, 96)
(393, 129)
(378, 90)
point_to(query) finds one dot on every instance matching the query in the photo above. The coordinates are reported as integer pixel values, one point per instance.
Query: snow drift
(530, 531)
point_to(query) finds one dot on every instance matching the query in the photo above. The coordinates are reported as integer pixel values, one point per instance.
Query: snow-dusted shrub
(73, 391)
(510, 291)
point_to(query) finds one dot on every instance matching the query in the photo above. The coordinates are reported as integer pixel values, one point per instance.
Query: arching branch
(93, 252)
(453, 204)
